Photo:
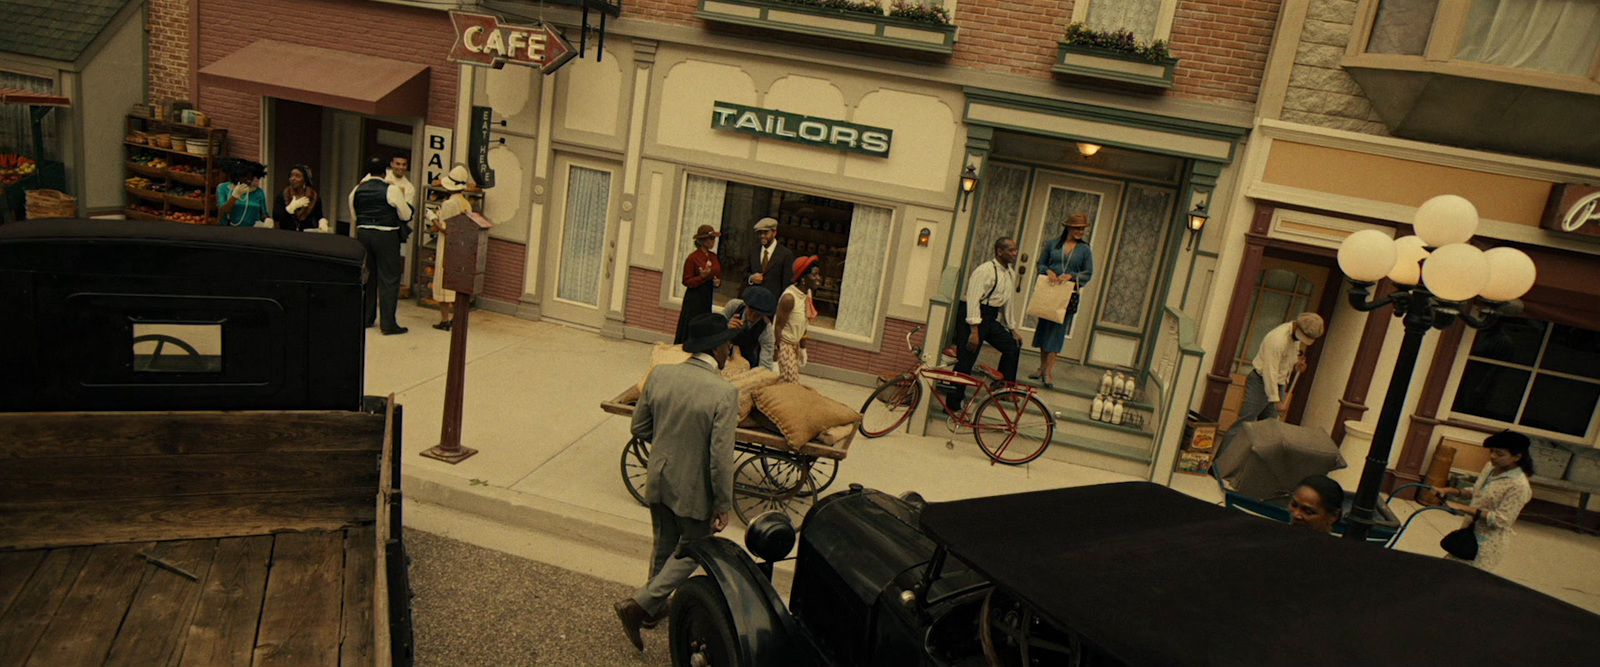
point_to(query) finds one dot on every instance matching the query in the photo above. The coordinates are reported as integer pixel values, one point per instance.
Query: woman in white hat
(457, 183)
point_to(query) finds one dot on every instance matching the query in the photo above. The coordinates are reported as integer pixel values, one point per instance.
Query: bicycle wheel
(635, 467)
(1013, 427)
(772, 481)
(890, 406)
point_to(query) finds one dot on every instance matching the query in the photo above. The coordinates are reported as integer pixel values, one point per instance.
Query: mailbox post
(466, 257)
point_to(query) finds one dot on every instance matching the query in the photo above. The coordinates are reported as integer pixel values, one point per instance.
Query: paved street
(478, 607)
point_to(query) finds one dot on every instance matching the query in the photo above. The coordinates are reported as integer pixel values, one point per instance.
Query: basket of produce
(195, 199)
(137, 138)
(51, 204)
(142, 212)
(197, 146)
(146, 188)
(15, 167)
(146, 170)
(188, 218)
(188, 174)
(162, 140)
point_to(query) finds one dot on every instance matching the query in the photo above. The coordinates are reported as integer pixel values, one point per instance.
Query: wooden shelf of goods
(173, 170)
(426, 243)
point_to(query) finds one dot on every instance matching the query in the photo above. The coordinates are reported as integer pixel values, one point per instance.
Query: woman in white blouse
(1498, 498)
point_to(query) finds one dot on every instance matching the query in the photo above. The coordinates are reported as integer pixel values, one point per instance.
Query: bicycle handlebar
(914, 349)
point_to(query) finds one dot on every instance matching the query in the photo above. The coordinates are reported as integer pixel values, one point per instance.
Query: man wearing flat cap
(771, 264)
(688, 414)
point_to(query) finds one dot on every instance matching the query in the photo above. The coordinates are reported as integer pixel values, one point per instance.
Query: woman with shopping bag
(1063, 261)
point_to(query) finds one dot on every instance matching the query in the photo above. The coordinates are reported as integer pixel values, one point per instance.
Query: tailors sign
(810, 130)
(481, 39)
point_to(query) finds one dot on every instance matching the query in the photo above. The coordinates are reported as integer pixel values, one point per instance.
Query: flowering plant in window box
(1114, 59)
(856, 6)
(920, 13)
(905, 28)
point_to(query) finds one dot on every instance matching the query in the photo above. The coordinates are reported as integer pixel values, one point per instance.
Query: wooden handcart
(770, 475)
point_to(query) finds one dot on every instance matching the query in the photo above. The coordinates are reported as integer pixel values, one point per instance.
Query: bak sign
(823, 132)
(1573, 208)
(482, 39)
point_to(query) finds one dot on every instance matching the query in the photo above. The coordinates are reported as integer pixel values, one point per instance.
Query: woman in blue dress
(1064, 258)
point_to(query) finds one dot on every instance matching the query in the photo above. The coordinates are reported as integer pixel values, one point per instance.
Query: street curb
(514, 508)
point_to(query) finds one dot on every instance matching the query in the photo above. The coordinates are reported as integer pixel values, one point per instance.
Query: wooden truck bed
(169, 539)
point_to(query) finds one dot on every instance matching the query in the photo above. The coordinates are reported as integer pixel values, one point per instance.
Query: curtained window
(584, 236)
(16, 129)
(851, 241)
(1558, 36)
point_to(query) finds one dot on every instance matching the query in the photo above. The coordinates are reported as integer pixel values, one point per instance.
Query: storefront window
(851, 239)
(16, 128)
(1532, 373)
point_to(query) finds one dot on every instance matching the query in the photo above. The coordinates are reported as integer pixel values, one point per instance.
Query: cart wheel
(773, 481)
(700, 626)
(635, 467)
(1013, 427)
(890, 406)
(822, 470)
(1012, 636)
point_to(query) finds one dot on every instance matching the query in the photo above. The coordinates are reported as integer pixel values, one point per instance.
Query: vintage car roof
(1155, 577)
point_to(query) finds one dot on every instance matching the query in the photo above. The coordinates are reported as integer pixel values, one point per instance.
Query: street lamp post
(1439, 278)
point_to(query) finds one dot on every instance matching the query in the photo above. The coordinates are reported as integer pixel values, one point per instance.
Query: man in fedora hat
(457, 182)
(702, 275)
(752, 316)
(688, 413)
(771, 263)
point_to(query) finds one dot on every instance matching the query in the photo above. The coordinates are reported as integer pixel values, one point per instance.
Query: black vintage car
(1116, 574)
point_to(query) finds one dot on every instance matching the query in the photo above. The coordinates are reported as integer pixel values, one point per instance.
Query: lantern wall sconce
(1087, 149)
(923, 237)
(969, 182)
(1198, 217)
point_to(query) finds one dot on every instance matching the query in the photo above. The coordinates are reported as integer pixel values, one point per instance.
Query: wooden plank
(56, 434)
(162, 607)
(88, 618)
(16, 568)
(223, 630)
(35, 605)
(356, 641)
(381, 641)
(39, 525)
(300, 623)
(89, 478)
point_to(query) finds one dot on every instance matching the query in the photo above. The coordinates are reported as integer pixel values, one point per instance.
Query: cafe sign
(809, 130)
(1573, 208)
(481, 39)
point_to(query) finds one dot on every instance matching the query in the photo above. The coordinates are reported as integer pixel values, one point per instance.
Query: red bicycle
(1012, 426)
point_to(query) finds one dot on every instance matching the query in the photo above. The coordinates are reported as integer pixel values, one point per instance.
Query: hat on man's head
(761, 300)
(1310, 325)
(458, 179)
(767, 225)
(1076, 220)
(803, 264)
(706, 232)
(706, 332)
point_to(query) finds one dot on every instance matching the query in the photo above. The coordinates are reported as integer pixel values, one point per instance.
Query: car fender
(768, 634)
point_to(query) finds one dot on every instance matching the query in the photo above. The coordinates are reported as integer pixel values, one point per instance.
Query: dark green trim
(1109, 77)
(1207, 253)
(1137, 119)
(945, 47)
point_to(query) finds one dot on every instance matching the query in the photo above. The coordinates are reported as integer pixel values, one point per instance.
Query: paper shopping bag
(1049, 302)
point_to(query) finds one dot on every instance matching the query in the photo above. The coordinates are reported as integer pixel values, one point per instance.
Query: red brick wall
(642, 312)
(502, 279)
(358, 26)
(1222, 43)
(169, 49)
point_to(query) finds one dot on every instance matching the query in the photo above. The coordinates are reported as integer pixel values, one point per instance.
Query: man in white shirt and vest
(989, 316)
(382, 211)
(1281, 355)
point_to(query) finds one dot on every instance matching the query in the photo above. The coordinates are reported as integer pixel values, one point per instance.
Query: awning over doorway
(20, 96)
(325, 77)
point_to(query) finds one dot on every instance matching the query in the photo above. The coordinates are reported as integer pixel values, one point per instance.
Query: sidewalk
(547, 483)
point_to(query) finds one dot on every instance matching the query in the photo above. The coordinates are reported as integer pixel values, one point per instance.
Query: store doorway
(1055, 197)
(582, 248)
(1283, 289)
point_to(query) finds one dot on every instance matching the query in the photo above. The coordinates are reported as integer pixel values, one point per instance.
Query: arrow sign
(481, 39)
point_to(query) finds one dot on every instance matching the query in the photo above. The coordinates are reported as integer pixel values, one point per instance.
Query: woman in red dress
(702, 275)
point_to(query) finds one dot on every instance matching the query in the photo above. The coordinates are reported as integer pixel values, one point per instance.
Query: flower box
(875, 29)
(1113, 68)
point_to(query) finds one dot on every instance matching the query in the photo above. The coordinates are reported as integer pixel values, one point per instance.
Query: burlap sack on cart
(44, 203)
(1050, 302)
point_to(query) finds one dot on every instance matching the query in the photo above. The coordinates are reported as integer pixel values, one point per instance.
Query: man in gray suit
(688, 413)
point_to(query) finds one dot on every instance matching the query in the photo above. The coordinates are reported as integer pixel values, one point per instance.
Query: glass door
(1283, 290)
(1055, 196)
(583, 245)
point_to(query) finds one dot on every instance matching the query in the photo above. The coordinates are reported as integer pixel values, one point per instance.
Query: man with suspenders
(988, 316)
